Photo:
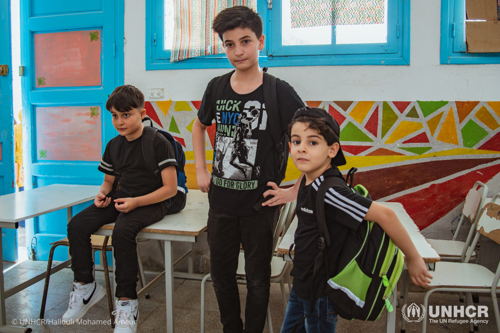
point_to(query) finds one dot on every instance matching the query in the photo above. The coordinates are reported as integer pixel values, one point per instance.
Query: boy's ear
(262, 39)
(143, 113)
(333, 150)
(290, 145)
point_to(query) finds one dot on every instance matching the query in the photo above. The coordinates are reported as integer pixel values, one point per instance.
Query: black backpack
(279, 135)
(178, 202)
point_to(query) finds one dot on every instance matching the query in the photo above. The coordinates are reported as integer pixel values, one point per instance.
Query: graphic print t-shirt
(344, 210)
(136, 179)
(245, 156)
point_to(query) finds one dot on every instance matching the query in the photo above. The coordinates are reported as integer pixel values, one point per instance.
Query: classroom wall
(420, 134)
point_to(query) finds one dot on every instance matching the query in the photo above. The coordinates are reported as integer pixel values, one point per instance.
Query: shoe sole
(93, 301)
(136, 323)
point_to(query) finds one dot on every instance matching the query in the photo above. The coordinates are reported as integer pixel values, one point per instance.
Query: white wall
(425, 79)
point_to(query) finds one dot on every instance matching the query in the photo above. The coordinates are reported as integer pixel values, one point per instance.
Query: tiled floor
(25, 305)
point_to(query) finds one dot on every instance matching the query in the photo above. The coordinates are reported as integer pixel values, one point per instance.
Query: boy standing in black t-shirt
(316, 151)
(245, 160)
(134, 201)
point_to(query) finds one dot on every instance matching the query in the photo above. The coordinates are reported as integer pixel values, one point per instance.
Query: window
(453, 44)
(386, 43)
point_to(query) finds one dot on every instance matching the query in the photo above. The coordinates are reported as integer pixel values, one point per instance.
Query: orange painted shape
(164, 106)
(68, 133)
(404, 129)
(344, 104)
(464, 109)
(313, 104)
(434, 122)
(360, 111)
(487, 118)
(448, 131)
(383, 152)
(495, 106)
(67, 59)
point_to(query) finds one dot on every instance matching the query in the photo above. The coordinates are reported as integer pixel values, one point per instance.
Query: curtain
(193, 34)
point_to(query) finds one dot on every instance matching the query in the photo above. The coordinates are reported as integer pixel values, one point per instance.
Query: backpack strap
(272, 109)
(114, 148)
(148, 152)
(219, 84)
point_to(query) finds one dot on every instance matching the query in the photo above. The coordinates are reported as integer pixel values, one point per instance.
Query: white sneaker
(81, 300)
(126, 316)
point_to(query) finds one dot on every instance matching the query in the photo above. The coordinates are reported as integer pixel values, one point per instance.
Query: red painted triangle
(151, 113)
(355, 150)
(372, 124)
(196, 104)
(492, 144)
(431, 204)
(421, 138)
(339, 117)
(181, 140)
(383, 152)
(401, 105)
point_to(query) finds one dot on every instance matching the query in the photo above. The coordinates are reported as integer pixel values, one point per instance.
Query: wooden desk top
(191, 221)
(19, 206)
(423, 247)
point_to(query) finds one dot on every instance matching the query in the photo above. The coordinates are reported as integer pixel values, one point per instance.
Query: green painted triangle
(431, 107)
(413, 113)
(417, 150)
(352, 133)
(173, 127)
(472, 133)
(389, 117)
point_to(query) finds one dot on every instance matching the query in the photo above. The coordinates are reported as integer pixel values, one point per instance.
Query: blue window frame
(453, 45)
(394, 50)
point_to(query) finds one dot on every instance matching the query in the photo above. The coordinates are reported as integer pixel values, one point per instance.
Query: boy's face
(128, 124)
(310, 152)
(242, 48)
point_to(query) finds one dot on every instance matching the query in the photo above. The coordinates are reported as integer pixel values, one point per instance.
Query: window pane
(302, 36)
(168, 21)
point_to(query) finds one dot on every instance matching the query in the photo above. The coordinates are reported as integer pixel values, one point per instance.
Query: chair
(453, 250)
(279, 267)
(468, 277)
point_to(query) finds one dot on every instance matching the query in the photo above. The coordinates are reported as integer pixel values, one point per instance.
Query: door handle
(4, 70)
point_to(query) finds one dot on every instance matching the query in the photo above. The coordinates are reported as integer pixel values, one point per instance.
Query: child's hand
(125, 205)
(101, 201)
(280, 196)
(418, 272)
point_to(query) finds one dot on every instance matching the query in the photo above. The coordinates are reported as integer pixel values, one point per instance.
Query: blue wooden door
(73, 55)
(9, 241)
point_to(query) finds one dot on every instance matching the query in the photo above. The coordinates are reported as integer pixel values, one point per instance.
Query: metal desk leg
(404, 292)
(169, 286)
(3, 315)
(391, 316)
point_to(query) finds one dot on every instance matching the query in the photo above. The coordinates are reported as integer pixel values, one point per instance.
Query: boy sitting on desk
(136, 201)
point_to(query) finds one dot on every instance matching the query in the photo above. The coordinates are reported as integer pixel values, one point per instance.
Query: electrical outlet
(156, 93)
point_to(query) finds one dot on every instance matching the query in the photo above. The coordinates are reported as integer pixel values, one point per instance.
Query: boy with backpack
(251, 110)
(133, 197)
(315, 149)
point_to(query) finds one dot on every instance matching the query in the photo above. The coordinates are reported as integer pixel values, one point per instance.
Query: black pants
(255, 233)
(127, 227)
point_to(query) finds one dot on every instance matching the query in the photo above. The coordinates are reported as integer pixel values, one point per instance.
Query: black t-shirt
(245, 156)
(344, 210)
(136, 178)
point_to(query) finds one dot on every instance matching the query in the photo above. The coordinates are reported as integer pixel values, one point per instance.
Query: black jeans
(127, 226)
(255, 233)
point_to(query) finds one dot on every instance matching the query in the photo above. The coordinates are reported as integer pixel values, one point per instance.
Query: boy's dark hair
(237, 17)
(317, 124)
(125, 98)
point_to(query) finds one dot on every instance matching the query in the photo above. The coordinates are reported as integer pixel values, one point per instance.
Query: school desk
(429, 255)
(20, 206)
(184, 226)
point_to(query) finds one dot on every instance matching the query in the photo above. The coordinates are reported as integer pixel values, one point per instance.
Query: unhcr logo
(413, 313)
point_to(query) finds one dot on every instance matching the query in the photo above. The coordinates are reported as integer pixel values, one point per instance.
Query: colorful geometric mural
(425, 154)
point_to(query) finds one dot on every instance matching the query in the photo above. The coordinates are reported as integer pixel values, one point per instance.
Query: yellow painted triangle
(405, 128)
(164, 106)
(495, 106)
(448, 131)
(487, 118)
(361, 110)
(190, 126)
(434, 122)
(182, 106)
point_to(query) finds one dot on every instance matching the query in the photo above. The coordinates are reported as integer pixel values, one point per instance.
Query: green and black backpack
(367, 268)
